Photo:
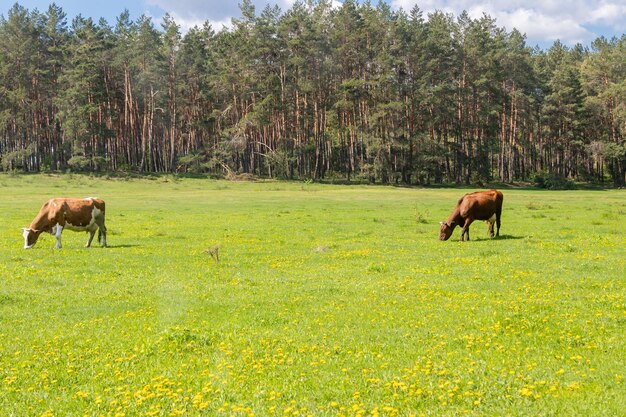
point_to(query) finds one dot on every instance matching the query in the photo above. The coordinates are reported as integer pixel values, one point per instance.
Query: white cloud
(541, 20)
(610, 13)
(212, 10)
(288, 3)
(219, 13)
(186, 23)
(542, 26)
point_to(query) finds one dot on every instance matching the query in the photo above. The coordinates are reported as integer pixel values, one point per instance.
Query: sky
(543, 21)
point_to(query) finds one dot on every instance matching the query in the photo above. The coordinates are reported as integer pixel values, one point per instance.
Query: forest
(355, 93)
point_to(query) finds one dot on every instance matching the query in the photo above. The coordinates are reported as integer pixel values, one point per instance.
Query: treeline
(359, 92)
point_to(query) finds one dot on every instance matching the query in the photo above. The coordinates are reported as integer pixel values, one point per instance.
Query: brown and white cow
(481, 205)
(78, 214)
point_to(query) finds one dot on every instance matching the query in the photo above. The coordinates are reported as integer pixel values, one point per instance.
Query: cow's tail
(99, 235)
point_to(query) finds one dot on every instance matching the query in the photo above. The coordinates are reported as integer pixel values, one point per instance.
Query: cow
(78, 214)
(480, 205)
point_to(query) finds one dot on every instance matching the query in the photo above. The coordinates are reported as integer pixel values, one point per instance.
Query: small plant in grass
(421, 215)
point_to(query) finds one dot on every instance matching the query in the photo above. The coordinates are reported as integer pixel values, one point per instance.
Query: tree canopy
(359, 92)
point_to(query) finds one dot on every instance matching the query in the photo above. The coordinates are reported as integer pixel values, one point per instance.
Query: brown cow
(481, 205)
(78, 214)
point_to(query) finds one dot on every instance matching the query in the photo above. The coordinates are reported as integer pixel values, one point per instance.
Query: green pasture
(327, 300)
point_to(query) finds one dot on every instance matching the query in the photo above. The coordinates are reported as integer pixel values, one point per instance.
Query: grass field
(327, 301)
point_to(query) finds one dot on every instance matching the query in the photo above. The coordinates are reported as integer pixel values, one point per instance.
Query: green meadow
(327, 300)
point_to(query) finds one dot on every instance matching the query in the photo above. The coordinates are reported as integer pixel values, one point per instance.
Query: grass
(326, 301)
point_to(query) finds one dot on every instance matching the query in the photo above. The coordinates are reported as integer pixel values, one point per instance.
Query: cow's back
(98, 203)
(50, 213)
(77, 212)
(481, 205)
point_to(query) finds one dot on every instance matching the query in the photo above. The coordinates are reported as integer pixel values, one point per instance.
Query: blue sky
(543, 21)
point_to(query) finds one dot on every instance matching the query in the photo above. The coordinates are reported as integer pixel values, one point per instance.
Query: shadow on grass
(507, 237)
(122, 246)
(501, 237)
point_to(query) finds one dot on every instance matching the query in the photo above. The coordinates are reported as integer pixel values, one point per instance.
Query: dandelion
(82, 394)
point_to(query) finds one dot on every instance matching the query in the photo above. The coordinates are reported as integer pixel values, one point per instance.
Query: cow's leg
(102, 232)
(465, 230)
(498, 224)
(490, 222)
(91, 235)
(57, 233)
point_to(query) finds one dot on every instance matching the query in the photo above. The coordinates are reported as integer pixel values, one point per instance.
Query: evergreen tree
(81, 96)
(18, 97)
(604, 75)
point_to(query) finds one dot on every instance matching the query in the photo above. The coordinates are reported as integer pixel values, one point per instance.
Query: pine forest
(355, 93)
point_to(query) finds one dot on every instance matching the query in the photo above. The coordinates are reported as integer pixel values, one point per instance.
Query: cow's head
(446, 230)
(30, 237)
